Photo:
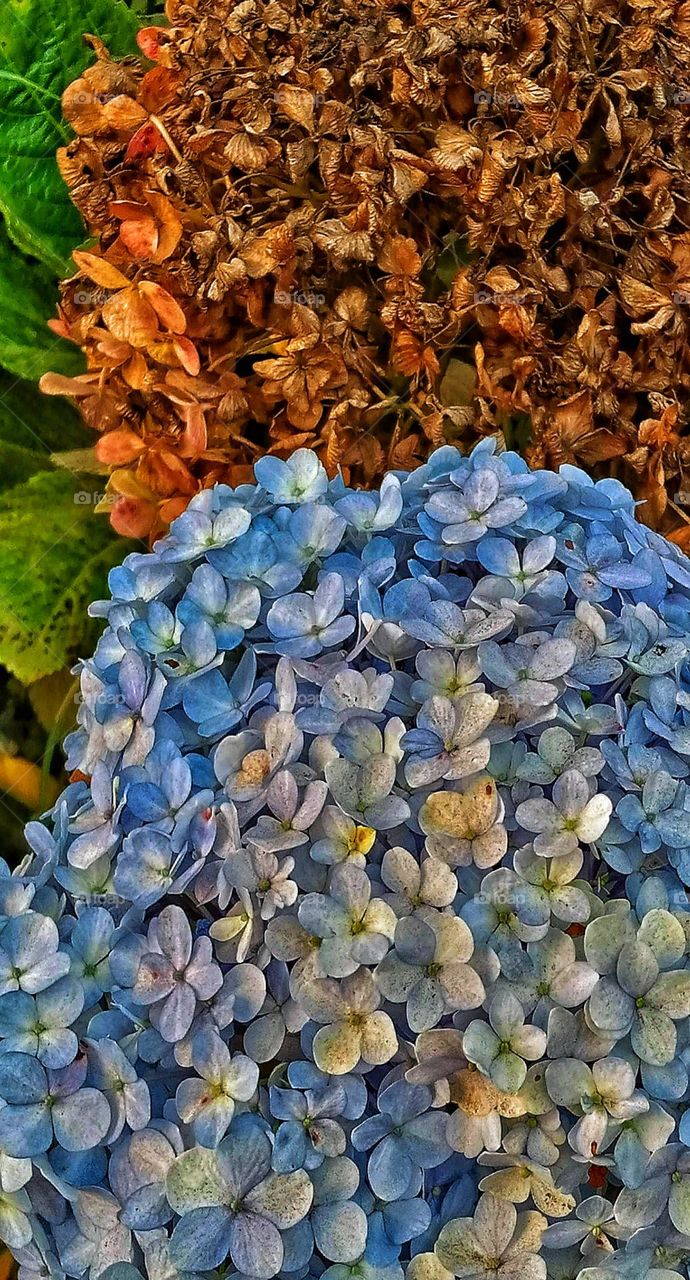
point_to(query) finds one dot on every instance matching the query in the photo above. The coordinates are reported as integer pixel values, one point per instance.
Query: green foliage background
(55, 552)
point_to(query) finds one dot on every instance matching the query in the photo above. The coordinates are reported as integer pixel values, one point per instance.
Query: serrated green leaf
(55, 553)
(41, 51)
(17, 464)
(32, 428)
(28, 298)
(47, 423)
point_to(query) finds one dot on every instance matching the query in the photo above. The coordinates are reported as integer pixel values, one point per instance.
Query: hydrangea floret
(357, 944)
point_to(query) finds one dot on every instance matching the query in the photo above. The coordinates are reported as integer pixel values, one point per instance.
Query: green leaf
(32, 427)
(28, 298)
(41, 51)
(55, 554)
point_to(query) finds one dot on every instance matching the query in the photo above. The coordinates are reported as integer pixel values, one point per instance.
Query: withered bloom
(371, 228)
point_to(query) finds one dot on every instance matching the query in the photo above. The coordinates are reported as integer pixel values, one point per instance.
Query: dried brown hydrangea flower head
(371, 227)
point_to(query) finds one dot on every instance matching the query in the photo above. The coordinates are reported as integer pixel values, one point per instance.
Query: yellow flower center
(361, 840)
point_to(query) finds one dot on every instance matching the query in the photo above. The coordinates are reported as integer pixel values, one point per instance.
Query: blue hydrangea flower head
(358, 944)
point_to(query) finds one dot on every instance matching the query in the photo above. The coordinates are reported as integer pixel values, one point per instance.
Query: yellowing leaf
(23, 780)
(55, 699)
(459, 383)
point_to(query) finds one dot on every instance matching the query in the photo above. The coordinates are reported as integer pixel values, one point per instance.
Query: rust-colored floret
(371, 228)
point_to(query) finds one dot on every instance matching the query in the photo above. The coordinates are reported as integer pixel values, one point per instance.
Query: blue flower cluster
(358, 943)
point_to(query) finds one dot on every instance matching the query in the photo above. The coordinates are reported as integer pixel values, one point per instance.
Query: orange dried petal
(123, 114)
(400, 257)
(130, 318)
(172, 508)
(187, 355)
(166, 473)
(136, 372)
(169, 312)
(139, 237)
(98, 269)
(147, 141)
(57, 384)
(169, 225)
(119, 447)
(132, 517)
(158, 88)
(151, 40)
(194, 436)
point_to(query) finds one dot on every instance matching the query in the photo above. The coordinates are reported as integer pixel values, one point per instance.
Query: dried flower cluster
(371, 228)
(359, 941)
